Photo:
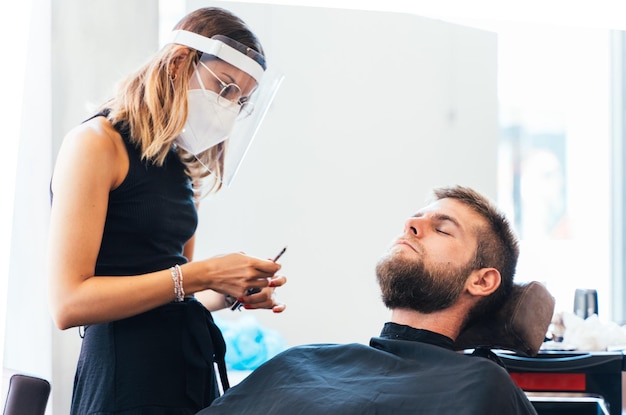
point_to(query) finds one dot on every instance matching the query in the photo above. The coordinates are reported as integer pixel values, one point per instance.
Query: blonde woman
(124, 214)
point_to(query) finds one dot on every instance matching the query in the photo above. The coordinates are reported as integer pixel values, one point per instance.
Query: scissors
(237, 305)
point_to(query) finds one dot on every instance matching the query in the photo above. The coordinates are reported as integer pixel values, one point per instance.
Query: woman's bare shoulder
(94, 146)
(96, 132)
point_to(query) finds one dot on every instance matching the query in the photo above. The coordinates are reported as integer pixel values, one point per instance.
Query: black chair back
(27, 395)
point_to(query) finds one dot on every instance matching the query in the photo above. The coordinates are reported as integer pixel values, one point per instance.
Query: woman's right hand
(230, 274)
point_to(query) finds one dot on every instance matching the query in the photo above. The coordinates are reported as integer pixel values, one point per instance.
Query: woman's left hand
(266, 297)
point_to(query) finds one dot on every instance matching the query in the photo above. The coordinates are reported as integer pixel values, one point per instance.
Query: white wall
(15, 33)
(27, 330)
(375, 110)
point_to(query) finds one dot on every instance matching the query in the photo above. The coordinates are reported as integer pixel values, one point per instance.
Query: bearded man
(454, 263)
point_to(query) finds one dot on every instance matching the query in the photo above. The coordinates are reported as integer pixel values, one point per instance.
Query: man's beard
(409, 284)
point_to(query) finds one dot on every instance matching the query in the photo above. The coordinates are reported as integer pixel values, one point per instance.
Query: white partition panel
(375, 110)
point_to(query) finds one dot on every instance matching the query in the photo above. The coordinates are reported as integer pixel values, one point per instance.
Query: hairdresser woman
(124, 214)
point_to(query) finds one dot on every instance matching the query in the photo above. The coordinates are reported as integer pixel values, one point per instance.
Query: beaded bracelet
(177, 277)
(181, 291)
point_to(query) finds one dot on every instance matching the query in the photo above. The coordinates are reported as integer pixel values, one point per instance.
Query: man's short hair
(498, 246)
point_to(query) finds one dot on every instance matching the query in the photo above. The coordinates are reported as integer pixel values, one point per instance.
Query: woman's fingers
(278, 281)
(279, 308)
(266, 298)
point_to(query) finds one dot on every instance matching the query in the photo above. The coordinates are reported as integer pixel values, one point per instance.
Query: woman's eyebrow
(230, 79)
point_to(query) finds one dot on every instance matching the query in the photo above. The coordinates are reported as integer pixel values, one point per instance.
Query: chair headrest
(520, 325)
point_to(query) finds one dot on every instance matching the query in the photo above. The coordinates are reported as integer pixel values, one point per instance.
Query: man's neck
(446, 322)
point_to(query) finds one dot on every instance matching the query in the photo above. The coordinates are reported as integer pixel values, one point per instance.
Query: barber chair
(27, 395)
(519, 326)
(569, 382)
(556, 383)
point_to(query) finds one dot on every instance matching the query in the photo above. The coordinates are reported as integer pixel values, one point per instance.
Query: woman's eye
(231, 92)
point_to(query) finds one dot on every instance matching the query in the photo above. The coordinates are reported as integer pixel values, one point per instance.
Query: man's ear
(483, 282)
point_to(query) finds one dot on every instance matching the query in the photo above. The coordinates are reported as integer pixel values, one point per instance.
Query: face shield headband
(224, 48)
(211, 121)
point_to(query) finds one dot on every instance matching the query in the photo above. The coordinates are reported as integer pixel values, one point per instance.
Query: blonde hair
(152, 104)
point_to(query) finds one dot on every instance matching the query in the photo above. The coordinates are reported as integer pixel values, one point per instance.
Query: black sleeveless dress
(161, 361)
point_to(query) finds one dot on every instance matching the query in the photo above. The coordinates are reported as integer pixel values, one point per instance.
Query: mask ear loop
(203, 195)
(234, 104)
(196, 72)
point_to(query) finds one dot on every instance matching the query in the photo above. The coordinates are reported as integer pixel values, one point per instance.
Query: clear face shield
(229, 94)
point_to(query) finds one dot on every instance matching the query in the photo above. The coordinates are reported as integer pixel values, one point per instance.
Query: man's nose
(413, 227)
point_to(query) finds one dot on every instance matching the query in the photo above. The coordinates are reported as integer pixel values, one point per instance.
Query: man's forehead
(455, 209)
(446, 205)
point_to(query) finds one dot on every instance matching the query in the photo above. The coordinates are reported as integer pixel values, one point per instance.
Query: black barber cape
(404, 371)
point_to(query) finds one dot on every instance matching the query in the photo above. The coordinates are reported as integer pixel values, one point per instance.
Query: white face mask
(208, 122)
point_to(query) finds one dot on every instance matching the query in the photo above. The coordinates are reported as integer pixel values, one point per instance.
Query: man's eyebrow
(441, 217)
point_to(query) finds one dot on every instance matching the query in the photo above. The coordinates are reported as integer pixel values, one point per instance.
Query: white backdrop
(375, 110)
